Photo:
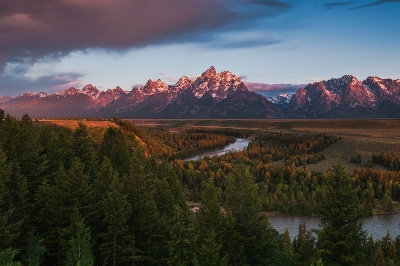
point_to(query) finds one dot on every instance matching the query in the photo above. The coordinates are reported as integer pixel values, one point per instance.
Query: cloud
(333, 5)
(14, 81)
(377, 3)
(270, 3)
(251, 38)
(355, 5)
(36, 29)
(270, 90)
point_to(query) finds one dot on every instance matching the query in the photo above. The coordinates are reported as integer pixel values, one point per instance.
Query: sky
(54, 45)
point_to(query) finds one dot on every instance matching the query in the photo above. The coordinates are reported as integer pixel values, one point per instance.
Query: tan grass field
(359, 136)
(72, 124)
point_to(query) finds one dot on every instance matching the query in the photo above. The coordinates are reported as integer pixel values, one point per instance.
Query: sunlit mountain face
(215, 95)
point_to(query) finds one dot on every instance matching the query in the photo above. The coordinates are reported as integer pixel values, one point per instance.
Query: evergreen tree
(258, 238)
(10, 225)
(115, 147)
(2, 115)
(85, 149)
(118, 245)
(182, 248)
(285, 255)
(80, 250)
(305, 245)
(209, 251)
(378, 258)
(211, 225)
(34, 252)
(340, 237)
(287, 246)
(209, 215)
(7, 257)
(71, 190)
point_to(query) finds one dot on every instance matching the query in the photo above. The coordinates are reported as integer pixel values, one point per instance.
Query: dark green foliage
(184, 144)
(116, 148)
(113, 197)
(356, 160)
(35, 250)
(12, 203)
(304, 245)
(117, 245)
(389, 159)
(181, 247)
(341, 237)
(80, 250)
(255, 234)
(7, 257)
(211, 223)
(84, 148)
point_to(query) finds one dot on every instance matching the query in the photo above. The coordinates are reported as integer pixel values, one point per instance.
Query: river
(238, 145)
(376, 225)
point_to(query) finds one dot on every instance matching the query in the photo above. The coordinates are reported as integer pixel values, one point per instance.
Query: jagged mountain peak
(337, 83)
(118, 89)
(90, 90)
(209, 73)
(157, 82)
(89, 87)
(213, 95)
(27, 94)
(156, 86)
(5, 99)
(183, 83)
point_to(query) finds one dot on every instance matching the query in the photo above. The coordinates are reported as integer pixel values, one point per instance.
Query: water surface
(376, 225)
(239, 144)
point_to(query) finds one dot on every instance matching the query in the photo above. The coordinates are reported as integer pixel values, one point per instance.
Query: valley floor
(359, 136)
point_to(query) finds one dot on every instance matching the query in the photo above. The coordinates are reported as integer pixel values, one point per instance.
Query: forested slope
(92, 196)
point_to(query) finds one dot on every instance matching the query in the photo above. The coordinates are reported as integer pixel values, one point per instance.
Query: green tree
(2, 115)
(285, 256)
(34, 252)
(209, 251)
(305, 245)
(71, 190)
(118, 245)
(258, 238)
(115, 147)
(182, 248)
(84, 149)
(10, 219)
(340, 237)
(387, 204)
(7, 257)
(378, 258)
(80, 250)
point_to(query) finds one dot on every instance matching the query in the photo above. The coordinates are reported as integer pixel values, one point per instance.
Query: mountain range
(215, 95)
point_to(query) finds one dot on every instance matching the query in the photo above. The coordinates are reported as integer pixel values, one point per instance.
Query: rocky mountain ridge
(215, 95)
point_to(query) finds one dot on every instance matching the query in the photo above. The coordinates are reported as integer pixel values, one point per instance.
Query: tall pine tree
(258, 238)
(341, 238)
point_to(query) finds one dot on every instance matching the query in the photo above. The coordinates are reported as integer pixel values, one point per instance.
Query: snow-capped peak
(283, 98)
(209, 73)
(90, 90)
(183, 81)
(152, 87)
(5, 99)
(27, 94)
(42, 94)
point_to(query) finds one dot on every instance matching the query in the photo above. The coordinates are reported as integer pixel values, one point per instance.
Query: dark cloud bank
(32, 30)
